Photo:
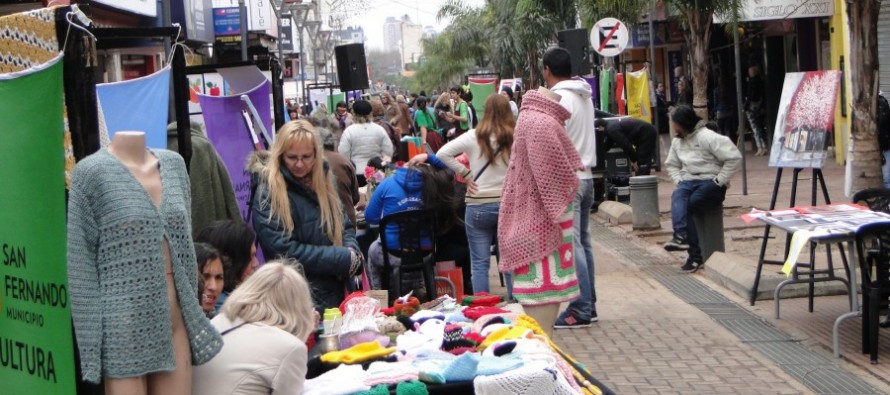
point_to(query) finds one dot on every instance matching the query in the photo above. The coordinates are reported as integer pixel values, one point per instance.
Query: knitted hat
(424, 315)
(428, 336)
(406, 308)
(358, 353)
(474, 313)
(489, 365)
(361, 107)
(481, 299)
(412, 387)
(381, 389)
(390, 373)
(455, 342)
(345, 379)
(462, 369)
(526, 380)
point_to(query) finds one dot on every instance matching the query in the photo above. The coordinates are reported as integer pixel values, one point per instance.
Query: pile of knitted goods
(486, 349)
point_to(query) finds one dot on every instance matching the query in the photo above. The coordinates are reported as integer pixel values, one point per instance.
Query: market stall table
(827, 224)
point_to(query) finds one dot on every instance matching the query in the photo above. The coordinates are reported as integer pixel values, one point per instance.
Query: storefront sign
(665, 33)
(226, 22)
(196, 16)
(36, 349)
(141, 7)
(259, 14)
(764, 10)
(287, 36)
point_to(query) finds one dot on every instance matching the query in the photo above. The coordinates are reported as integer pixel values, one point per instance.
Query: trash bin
(644, 202)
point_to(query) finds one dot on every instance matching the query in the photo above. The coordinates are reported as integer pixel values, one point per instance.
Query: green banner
(36, 350)
(333, 100)
(481, 88)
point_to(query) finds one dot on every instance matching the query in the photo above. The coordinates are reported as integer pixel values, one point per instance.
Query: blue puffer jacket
(401, 192)
(326, 266)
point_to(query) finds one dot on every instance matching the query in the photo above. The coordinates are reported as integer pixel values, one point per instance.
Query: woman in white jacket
(364, 140)
(263, 324)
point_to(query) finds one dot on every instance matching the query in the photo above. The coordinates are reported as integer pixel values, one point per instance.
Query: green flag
(36, 350)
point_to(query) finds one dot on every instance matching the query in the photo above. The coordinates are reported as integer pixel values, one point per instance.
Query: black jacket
(628, 133)
(326, 266)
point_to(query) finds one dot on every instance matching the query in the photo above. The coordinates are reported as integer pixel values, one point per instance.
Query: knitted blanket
(540, 184)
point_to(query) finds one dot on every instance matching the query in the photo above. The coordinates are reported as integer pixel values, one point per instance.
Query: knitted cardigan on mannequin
(539, 185)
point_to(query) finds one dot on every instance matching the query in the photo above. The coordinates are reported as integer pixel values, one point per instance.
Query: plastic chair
(873, 249)
(877, 199)
(417, 247)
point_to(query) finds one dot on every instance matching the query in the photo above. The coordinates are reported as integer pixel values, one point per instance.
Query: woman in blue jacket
(297, 214)
(418, 187)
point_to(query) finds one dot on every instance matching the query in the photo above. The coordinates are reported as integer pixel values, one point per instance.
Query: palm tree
(865, 157)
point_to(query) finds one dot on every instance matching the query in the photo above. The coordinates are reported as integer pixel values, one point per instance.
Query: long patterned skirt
(552, 279)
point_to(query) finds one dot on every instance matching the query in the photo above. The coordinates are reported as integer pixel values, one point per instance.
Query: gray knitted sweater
(116, 271)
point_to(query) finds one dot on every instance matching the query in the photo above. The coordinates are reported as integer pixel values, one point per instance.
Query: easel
(796, 274)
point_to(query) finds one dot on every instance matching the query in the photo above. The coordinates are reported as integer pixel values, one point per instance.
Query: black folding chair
(417, 247)
(873, 249)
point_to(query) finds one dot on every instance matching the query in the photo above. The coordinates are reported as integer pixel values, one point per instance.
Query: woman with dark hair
(413, 187)
(460, 112)
(468, 98)
(236, 241)
(210, 277)
(425, 125)
(700, 162)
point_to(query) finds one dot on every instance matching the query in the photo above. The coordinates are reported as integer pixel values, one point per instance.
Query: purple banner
(595, 90)
(231, 138)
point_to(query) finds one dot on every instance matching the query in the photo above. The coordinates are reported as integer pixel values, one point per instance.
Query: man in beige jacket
(701, 162)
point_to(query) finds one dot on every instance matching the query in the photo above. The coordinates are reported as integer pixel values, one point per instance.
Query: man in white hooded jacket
(576, 97)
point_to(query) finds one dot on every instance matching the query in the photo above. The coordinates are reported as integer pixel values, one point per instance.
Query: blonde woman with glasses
(263, 324)
(297, 214)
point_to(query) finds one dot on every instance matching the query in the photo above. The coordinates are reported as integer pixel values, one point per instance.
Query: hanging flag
(36, 348)
(594, 96)
(619, 94)
(605, 89)
(638, 103)
(229, 134)
(139, 104)
(482, 87)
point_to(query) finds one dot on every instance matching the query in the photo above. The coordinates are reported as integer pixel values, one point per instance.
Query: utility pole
(242, 11)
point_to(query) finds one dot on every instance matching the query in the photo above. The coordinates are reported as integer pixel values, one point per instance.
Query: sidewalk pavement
(652, 340)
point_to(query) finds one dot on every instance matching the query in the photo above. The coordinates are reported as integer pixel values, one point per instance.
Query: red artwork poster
(805, 120)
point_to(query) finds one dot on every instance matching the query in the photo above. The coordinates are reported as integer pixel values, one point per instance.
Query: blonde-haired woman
(263, 324)
(297, 214)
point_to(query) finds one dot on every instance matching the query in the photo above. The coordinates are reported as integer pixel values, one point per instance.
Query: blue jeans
(482, 229)
(690, 197)
(584, 307)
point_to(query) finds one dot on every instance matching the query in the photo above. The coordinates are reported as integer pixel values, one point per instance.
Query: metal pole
(654, 104)
(242, 11)
(738, 96)
(303, 68)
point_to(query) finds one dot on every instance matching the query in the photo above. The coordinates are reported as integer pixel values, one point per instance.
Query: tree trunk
(533, 70)
(865, 155)
(698, 39)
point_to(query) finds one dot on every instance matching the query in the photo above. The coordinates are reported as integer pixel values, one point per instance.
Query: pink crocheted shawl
(540, 183)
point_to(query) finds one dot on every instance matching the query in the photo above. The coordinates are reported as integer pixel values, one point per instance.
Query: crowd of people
(516, 183)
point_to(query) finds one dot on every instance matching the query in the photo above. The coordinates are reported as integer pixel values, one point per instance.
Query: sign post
(609, 37)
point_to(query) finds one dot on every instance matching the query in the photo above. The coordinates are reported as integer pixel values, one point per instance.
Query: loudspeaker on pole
(577, 42)
(351, 67)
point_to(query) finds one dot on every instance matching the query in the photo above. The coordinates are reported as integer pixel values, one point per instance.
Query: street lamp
(299, 13)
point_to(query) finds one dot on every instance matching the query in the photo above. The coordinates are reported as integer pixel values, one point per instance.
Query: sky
(420, 11)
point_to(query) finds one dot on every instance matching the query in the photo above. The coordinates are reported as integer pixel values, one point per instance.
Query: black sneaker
(676, 244)
(568, 321)
(692, 266)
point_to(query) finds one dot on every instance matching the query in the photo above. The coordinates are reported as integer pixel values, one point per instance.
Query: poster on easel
(805, 119)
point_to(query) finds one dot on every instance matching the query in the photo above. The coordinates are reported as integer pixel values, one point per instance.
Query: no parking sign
(609, 37)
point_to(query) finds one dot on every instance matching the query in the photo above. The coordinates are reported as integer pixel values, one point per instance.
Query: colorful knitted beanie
(412, 387)
(455, 342)
(483, 299)
(406, 308)
(358, 353)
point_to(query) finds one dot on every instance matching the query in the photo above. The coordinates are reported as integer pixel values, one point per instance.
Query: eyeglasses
(305, 159)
